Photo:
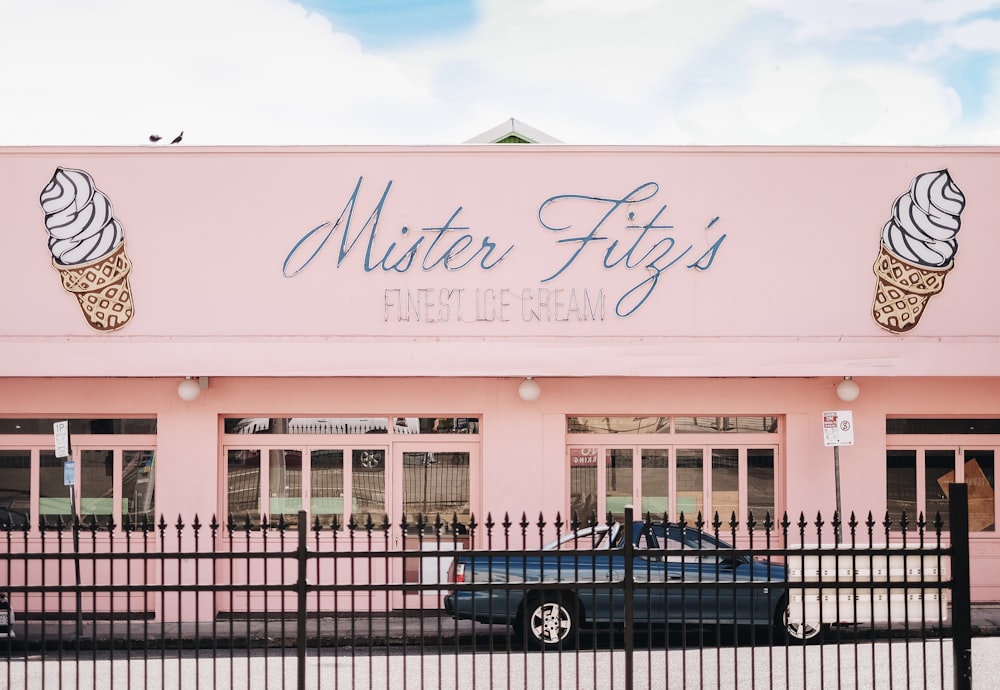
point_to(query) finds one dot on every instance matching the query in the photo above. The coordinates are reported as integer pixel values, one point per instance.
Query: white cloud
(976, 36)
(226, 71)
(585, 71)
(833, 19)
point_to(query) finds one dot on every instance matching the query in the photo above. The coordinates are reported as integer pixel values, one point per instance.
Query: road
(912, 664)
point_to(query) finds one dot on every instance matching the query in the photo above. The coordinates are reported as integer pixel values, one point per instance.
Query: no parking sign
(838, 428)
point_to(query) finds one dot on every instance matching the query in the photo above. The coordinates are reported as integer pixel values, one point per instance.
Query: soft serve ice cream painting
(88, 248)
(917, 250)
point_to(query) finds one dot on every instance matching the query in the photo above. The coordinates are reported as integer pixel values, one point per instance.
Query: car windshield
(586, 538)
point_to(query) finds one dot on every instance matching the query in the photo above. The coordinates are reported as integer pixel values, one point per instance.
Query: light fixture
(848, 390)
(529, 389)
(190, 388)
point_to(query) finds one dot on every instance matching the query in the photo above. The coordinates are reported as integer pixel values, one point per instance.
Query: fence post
(961, 604)
(300, 587)
(629, 598)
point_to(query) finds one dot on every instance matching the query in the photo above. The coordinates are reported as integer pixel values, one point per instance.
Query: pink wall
(523, 444)
(208, 230)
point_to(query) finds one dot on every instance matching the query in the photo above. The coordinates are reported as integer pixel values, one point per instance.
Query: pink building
(475, 329)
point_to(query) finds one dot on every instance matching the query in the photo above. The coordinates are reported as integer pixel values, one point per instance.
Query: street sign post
(838, 430)
(61, 432)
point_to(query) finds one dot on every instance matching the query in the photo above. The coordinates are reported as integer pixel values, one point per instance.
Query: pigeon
(178, 138)
(154, 138)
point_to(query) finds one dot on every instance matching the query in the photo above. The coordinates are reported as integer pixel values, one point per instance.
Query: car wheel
(795, 632)
(549, 622)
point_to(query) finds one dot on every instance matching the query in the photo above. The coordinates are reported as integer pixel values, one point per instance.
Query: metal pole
(75, 518)
(961, 604)
(836, 470)
(301, 587)
(629, 603)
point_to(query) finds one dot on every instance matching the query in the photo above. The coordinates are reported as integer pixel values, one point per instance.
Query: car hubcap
(800, 631)
(550, 623)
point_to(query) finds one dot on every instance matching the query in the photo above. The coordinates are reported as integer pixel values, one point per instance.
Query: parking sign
(838, 428)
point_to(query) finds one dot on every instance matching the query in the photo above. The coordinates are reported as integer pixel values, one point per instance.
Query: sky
(618, 72)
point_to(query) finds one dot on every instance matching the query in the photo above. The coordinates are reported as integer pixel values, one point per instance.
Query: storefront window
(939, 469)
(436, 484)
(97, 474)
(138, 486)
(655, 482)
(285, 474)
(760, 484)
(326, 472)
(690, 483)
(368, 485)
(312, 426)
(725, 486)
(113, 471)
(583, 484)
(619, 481)
(931, 454)
(243, 487)
(901, 483)
(78, 427)
(618, 425)
(53, 495)
(15, 488)
(730, 425)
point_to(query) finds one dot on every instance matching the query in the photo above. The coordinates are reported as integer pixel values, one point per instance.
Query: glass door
(431, 482)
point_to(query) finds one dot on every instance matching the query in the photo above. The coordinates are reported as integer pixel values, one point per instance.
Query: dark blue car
(680, 577)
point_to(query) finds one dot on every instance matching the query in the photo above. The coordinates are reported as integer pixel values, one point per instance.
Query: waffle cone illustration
(102, 288)
(903, 290)
(87, 244)
(917, 250)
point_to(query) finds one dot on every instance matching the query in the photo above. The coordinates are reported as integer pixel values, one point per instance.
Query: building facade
(473, 330)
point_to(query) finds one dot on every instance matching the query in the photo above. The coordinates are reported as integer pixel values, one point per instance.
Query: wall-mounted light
(190, 388)
(848, 390)
(529, 389)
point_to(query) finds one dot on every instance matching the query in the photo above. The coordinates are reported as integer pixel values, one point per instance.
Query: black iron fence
(500, 603)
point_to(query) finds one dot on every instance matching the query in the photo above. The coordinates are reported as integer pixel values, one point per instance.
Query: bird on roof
(154, 138)
(178, 138)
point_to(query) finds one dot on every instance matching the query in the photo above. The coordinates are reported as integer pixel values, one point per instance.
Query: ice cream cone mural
(917, 250)
(88, 248)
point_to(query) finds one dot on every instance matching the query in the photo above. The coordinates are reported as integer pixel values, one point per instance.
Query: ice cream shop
(473, 329)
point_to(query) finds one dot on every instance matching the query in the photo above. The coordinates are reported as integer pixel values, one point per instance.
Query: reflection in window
(741, 425)
(53, 494)
(138, 486)
(285, 477)
(326, 478)
(97, 473)
(725, 485)
(619, 481)
(436, 484)
(938, 473)
(446, 425)
(368, 485)
(618, 425)
(243, 487)
(583, 484)
(78, 427)
(350, 425)
(690, 483)
(901, 484)
(306, 425)
(15, 488)
(655, 482)
(760, 483)
(980, 480)
(941, 426)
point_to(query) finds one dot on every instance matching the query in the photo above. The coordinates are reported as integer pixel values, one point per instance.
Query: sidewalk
(376, 631)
